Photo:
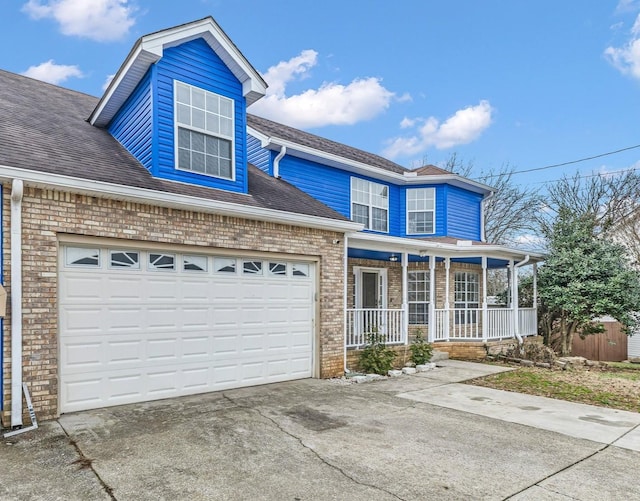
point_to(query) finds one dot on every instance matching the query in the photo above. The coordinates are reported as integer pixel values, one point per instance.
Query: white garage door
(139, 325)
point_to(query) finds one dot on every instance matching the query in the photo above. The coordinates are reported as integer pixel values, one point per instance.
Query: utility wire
(567, 163)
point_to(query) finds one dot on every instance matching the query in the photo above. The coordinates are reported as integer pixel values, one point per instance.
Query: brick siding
(47, 214)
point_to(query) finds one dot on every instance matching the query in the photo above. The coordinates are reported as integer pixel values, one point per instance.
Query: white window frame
(425, 201)
(204, 131)
(467, 307)
(370, 202)
(382, 285)
(426, 279)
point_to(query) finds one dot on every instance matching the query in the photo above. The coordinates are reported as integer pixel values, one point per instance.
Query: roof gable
(150, 48)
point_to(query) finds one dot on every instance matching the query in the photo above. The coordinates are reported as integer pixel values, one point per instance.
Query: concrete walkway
(599, 424)
(418, 437)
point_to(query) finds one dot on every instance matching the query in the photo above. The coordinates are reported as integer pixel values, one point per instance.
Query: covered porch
(441, 287)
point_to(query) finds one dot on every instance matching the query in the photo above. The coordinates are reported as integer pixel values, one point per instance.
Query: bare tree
(511, 211)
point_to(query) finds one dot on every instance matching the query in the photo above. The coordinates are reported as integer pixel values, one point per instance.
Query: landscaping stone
(560, 363)
(544, 365)
(634, 360)
(375, 377)
(526, 363)
(408, 370)
(591, 363)
(360, 379)
(394, 373)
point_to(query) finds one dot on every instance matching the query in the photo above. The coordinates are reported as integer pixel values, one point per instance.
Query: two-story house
(161, 241)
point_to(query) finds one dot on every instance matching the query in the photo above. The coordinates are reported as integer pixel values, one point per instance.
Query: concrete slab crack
(314, 452)
(84, 462)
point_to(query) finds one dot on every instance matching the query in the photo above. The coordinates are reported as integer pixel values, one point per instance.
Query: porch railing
(528, 321)
(471, 324)
(387, 322)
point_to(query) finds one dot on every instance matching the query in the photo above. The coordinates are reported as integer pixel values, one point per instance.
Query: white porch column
(535, 288)
(405, 296)
(433, 325)
(485, 325)
(515, 325)
(447, 268)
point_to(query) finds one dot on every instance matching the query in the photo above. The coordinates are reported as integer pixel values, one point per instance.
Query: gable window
(421, 214)
(419, 292)
(370, 204)
(204, 131)
(467, 297)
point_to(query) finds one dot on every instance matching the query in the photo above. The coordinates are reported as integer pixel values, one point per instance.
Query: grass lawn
(609, 386)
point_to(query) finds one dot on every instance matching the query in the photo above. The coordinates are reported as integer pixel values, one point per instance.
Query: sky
(521, 83)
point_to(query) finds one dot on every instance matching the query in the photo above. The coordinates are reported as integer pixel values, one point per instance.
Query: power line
(566, 163)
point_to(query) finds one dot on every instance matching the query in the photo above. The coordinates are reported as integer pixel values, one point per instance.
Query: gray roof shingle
(274, 129)
(44, 128)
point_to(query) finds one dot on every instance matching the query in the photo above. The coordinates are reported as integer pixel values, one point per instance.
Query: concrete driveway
(416, 437)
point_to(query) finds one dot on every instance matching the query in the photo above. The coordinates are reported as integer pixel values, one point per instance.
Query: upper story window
(421, 213)
(204, 131)
(370, 204)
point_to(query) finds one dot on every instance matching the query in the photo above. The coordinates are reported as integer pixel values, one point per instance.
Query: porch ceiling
(382, 247)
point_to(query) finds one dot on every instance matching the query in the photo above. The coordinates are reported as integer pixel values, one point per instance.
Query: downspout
(483, 222)
(276, 162)
(17, 189)
(344, 298)
(516, 299)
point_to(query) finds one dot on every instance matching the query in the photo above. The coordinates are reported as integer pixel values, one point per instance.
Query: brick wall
(48, 214)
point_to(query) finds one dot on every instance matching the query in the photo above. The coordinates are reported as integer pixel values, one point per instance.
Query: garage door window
(224, 265)
(194, 263)
(278, 269)
(124, 259)
(79, 256)
(252, 267)
(162, 261)
(300, 270)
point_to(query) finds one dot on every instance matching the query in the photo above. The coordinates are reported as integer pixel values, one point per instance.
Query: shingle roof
(43, 128)
(280, 131)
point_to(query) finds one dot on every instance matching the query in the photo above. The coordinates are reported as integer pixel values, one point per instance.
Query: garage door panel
(129, 335)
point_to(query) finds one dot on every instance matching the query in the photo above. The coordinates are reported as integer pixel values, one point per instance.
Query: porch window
(419, 290)
(421, 203)
(370, 204)
(467, 297)
(204, 131)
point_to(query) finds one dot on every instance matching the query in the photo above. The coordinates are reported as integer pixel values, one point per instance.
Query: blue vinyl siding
(333, 187)
(463, 213)
(257, 155)
(133, 124)
(196, 64)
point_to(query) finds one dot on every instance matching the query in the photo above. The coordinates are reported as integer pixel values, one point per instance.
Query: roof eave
(332, 160)
(150, 48)
(165, 199)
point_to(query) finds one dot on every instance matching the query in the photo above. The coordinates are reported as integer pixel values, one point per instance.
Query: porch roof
(383, 246)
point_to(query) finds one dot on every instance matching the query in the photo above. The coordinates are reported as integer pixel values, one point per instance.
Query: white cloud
(407, 122)
(463, 127)
(53, 73)
(107, 81)
(100, 20)
(331, 104)
(627, 58)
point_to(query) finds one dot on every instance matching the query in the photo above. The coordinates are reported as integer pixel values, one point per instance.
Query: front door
(370, 289)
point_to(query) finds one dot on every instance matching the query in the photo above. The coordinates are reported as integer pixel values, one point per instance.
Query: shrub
(421, 350)
(375, 357)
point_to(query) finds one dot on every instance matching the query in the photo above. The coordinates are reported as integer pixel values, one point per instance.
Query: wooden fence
(610, 346)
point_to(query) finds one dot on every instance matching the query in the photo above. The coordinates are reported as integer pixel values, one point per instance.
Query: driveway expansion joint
(84, 462)
(314, 452)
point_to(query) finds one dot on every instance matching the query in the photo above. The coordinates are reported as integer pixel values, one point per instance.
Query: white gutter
(333, 160)
(373, 241)
(515, 296)
(164, 199)
(16, 302)
(276, 162)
